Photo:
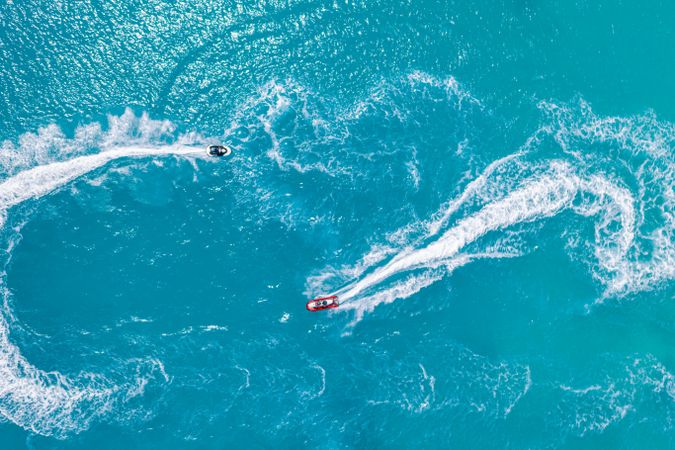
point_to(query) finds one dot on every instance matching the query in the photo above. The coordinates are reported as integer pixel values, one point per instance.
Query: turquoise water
(487, 186)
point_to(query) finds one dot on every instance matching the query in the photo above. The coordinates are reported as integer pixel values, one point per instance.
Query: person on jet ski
(218, 150)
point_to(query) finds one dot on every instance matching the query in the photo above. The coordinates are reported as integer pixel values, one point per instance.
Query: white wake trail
(41, 180)
(419, 231)
(540, 197)
(49, 403)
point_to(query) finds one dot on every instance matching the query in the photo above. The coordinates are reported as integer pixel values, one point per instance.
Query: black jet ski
(218, 150)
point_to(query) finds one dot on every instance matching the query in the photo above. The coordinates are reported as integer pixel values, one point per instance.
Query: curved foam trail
(44, 403)
(538, 198)
(49, 403)
(429, 228)
(41, 180)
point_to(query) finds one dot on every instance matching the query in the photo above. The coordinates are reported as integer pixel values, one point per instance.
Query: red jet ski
(321, 303)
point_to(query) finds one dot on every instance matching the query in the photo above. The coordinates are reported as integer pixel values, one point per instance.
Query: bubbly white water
(50, 403)
(631, 208)
(41, 180)
(539, 197)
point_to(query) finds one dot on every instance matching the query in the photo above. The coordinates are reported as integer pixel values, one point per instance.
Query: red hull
(321, 303)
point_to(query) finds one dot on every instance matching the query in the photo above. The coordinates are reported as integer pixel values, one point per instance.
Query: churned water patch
(629, 252)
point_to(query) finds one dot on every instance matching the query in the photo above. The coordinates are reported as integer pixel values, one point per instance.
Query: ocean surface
(488, 186)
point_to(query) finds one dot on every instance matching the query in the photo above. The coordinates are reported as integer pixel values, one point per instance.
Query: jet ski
(321, 303)
(218, 150)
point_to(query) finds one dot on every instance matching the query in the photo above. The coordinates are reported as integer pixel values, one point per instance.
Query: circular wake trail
(49, 403)
(537, 198)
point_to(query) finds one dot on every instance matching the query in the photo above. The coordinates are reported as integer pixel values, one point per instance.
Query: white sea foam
(630, 205)
(639, 149)
(323, 381)
(41, 180)
(429, 388)
(416, 232)
(381, 96)
(284, 317)
(50, 144)
(331, 276)
(274, 102)
(440, 219)
(471, 384)
(403, 289)
(641, 386)
(214, 328)
(50, 403)
(537, 198)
